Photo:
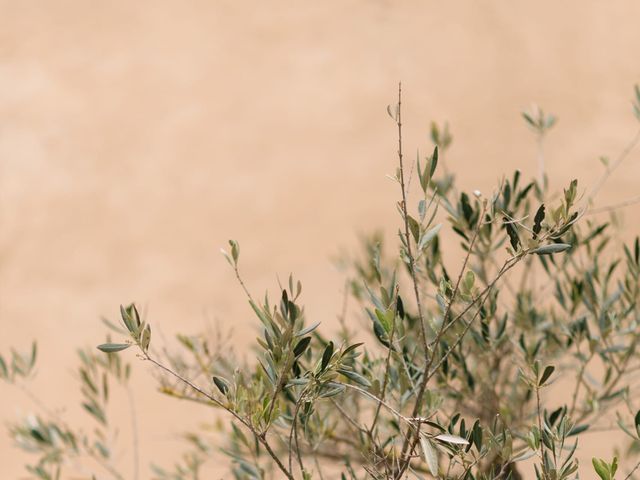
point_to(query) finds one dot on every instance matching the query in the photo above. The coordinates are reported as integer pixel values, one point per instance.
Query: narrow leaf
(146, 338)
(428, 236)
(222, 385)
(434, 161)
(601, 468)
(537, 221)
(356, 377)
(553, 248)
(113, 347)
(452, 439)
(546, 374)
(430, 455)
(301, 346)
(326, 356)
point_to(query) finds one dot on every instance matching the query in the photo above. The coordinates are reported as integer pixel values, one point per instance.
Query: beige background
(137, 136)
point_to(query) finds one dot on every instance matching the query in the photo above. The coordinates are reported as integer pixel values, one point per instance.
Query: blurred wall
(137, 137)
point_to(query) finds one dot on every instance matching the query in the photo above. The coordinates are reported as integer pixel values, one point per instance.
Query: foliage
(457, 377)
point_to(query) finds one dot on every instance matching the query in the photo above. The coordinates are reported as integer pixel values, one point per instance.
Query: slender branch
(404, 460)
(624, 154)
(405, 218)
(380, 401)
(632, 471)
(539, 415)
(614, 207)
(279, 386)
(580, 379)
(106, 465)
(291, 435)
(244, 287)
(260, 437)
(348, 417)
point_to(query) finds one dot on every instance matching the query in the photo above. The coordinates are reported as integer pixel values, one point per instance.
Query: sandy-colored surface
(136, 137)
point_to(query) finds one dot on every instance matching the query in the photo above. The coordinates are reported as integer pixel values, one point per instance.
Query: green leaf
(96, 411)
(553, 248)
(537, 221)
(310, 329)
(380, 333)
(113, 347)
(422, 176)
(126, 319)
(332, 392)
(235, 251)
(513, 234)
(414, 227)
(400, 307)
(4, 372)
(430, 455)
(422, 209)
(386, 319)
(601, 468)
(546, 374)
(356, 377)
(146, 338)
(477, 435)
(434, 162)
(578, 429)
(226, 255)
(301, 346)
(452, 439)
(529, 119)
(351, 348)
(428, 236)
(222, 385)
(326, 356)
(34, 354)
(469, 280)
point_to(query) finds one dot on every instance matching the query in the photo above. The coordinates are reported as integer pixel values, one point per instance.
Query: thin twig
(293, 431)
(627, 150)
(244, 287)
(405, 218)
(632, 471)
(380, 401)
(614, 207)
(539, 415)
(260, 437)
(404, 460)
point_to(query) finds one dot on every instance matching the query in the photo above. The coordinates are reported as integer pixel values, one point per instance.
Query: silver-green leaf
(430, 455)
(113, 347)
(553, 248)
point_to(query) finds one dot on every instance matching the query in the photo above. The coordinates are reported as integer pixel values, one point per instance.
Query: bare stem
(624, 154)
(614, 207)
(539, 415)
(405, 218)
(380, 401)
(294, 432)
(632, 471)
